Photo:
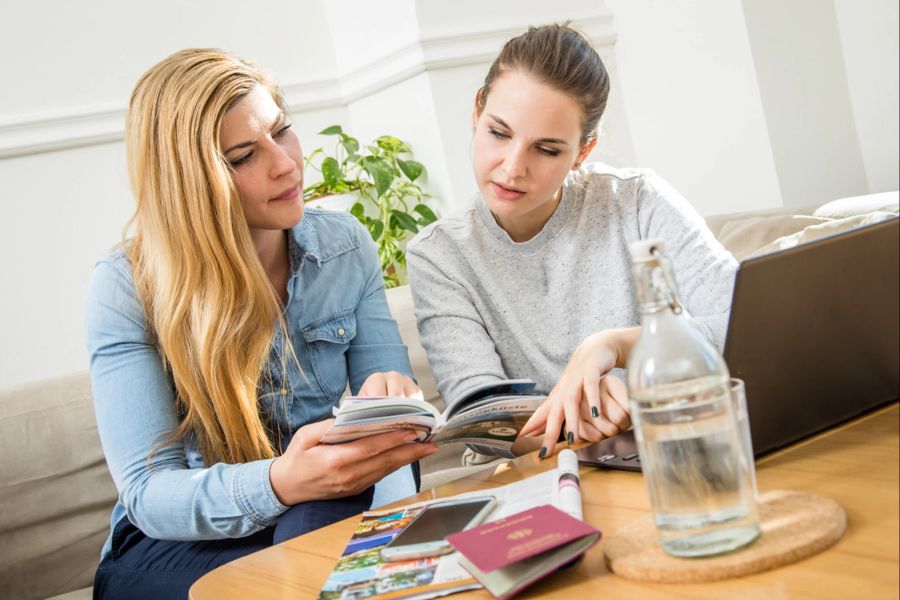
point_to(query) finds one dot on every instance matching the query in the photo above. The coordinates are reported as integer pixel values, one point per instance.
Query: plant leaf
(331, 172)
(333, 130)
(380, 172)
(358, 211)
(376, 228)
(411, 168)
(391, 144)
(350, 144)
(427, 215)
(405, 221)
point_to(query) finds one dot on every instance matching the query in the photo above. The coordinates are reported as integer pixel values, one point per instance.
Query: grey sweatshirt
(488, 308)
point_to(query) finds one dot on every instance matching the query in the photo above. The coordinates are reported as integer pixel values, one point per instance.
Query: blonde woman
(224, 331)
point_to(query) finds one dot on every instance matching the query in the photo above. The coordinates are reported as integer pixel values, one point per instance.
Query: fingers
(394, 384)
(538, 419)
(602, 410)
(376, 467)
(592, 395)
(374, 445)
(372, 387)
(390, 383)
(310, 435)
(411, 388)
(571, 402)
(356, 465)
(617, 406)
(588, 432)
(554, 424)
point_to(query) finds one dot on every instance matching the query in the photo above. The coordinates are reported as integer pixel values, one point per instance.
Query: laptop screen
(814, 333)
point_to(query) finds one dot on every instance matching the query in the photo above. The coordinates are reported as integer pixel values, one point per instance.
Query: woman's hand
(309, 470)
(391, 383)
(591, 404)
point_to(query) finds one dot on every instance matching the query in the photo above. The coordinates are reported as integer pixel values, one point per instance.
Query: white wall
(803, 83)
(686, 100)
(692, 101)
(64, 208)
(869, 39)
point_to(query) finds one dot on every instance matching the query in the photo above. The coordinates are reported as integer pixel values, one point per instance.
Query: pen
(568, 484)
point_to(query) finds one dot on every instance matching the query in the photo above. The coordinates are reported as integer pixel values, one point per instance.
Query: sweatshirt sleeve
(135, 407)
(460, 351)
(704, 269)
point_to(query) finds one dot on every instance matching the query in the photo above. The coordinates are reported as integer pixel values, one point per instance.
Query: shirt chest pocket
(327, 343)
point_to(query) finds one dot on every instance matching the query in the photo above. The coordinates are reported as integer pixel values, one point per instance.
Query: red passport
(508, 555)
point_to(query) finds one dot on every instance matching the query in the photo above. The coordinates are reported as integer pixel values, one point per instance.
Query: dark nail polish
(594, 412)
(542, 453)
(571, 438)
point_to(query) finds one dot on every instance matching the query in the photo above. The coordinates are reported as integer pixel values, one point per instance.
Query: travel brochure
(360, 572)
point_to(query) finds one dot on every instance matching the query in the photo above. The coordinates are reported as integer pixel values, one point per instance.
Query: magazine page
(518, 387)
(347, 432)
(518, 405)
(361, 574)
(354, 408)
(492, 428)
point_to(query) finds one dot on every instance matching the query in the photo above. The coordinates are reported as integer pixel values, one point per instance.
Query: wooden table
(856, 464)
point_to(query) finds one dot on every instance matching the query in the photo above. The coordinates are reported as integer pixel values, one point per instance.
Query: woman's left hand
(391, 383)
(591, 404)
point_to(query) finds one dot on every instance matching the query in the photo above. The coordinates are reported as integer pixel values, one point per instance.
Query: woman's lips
(505, 193)
(291, 193)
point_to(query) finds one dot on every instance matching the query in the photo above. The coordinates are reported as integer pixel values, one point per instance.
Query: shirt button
(341, 332)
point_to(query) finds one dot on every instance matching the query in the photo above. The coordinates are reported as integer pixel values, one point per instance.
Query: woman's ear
(476, 109)
(584, 151)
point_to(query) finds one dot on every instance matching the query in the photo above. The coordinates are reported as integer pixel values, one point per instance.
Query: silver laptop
(814, 333)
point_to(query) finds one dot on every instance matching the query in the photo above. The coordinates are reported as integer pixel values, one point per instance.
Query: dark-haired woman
(532, 279)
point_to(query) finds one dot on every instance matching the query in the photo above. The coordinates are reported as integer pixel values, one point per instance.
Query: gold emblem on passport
(518, 534)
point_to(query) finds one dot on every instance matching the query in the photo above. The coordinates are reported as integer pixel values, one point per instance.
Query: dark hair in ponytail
(561, 57)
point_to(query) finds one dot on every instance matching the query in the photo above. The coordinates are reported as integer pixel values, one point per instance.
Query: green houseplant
(384, 177)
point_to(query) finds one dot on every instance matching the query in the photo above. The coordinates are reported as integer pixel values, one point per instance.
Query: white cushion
(857, 205)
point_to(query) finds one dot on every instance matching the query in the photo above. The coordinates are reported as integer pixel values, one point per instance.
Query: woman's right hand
(309, 470)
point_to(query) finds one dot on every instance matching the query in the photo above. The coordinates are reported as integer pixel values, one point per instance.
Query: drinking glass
(739, 404)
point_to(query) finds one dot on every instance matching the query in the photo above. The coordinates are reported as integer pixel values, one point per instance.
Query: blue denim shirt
(341, 330)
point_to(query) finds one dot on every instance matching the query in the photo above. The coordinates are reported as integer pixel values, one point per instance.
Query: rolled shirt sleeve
(135, 407)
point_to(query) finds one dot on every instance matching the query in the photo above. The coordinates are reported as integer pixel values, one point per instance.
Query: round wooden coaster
(794, 525)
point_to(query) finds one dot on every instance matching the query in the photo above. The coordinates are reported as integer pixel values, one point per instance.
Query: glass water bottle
(685, 424)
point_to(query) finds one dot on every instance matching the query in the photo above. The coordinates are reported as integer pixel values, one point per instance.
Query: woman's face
(266, 160)
(527, 138)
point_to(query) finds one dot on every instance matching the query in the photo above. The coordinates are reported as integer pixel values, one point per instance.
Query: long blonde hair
(210, 308)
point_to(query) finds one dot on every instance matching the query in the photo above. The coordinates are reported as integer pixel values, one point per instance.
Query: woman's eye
(283, 130)
(548, 151)
(498, 134)
(240, 160)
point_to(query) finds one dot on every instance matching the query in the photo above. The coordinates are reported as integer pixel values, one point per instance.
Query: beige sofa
(56, 493)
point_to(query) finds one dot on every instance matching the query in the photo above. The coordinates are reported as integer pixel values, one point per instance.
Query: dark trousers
(139, 567)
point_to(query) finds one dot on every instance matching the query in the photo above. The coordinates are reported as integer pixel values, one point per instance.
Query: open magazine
(487, 417)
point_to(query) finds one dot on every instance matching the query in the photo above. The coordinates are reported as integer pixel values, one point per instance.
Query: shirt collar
(303, 242)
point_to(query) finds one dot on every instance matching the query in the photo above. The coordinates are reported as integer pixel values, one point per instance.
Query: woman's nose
(283, 162)
(514, 164)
